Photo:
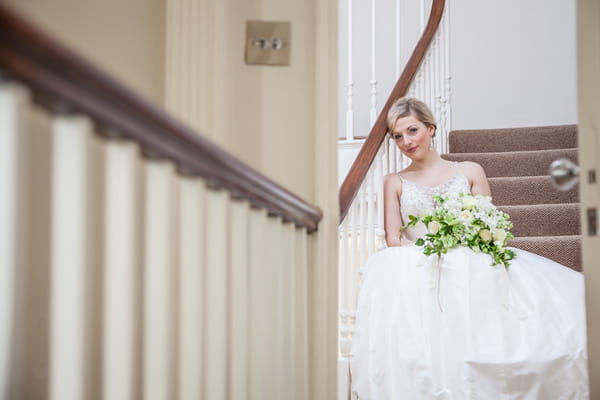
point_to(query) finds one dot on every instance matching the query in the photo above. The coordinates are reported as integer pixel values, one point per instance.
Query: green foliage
(466, 220)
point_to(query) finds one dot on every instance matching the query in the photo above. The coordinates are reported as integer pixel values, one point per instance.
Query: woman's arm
(392, 189)
(479, 182)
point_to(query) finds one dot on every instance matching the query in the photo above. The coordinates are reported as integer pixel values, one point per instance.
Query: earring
(432, 142)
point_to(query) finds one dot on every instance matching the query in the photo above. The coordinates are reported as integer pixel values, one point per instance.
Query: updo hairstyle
(405, 106)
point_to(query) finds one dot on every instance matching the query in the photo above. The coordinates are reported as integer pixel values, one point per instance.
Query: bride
(461, 328)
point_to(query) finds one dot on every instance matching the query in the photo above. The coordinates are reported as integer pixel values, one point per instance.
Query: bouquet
(466, 220)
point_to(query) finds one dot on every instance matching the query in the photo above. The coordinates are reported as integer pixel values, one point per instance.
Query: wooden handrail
(369, 149)
(64, 82)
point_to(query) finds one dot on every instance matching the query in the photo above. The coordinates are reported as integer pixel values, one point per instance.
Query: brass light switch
(267, 43)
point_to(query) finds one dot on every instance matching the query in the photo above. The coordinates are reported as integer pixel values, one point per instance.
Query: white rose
(499, 235)
(453, 206)
(485, 235)
(469, 202)
(466, 216)
(434, 227)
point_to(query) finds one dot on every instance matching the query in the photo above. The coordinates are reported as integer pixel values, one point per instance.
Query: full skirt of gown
(459, 328)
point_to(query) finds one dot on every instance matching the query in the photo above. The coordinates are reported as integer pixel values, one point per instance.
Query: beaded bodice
(416, 199)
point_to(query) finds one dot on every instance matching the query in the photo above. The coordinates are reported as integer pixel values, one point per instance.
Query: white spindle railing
(13, 127)
(192, 203)
(158, 280)
(350, 83)
(240, 273)
(69, 257)
(120, 269)
(362, 232)
(201, 294)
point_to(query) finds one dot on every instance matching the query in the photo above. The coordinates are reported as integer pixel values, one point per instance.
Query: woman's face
(412, 137)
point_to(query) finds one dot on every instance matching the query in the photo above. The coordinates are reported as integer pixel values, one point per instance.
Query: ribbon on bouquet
(435, 273)
(434, 262)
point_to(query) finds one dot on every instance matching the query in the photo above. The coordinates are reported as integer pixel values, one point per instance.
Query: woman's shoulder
(392, 180)
(471, 168)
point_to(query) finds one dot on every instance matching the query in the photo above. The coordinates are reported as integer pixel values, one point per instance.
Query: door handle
(564, 173)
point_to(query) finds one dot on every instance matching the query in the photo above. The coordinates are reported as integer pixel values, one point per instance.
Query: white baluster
(398, 38)
(393, 155)
(354, 251)
(259, 303)
(120, 270)
(158, 259)
(373, 81)
(288, 306)
(385, 156)
(192, 236)
(371, 215)
(380, 232)
(427, 77)
(13, 153)
(350, 93)
(362, 227)
(422, 16)
(239, 323)
(343, 287)
(301, 313)
(447, 72)
(216, 311)
(276, 307)
(69, 257)
(438, 90)
(443, 73)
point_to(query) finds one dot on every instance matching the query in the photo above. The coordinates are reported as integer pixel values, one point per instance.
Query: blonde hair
(405, 106)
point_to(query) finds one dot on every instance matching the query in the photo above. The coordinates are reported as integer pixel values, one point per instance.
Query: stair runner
(517, 163)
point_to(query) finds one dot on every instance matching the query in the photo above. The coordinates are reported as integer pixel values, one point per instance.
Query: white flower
(466, 216)
(469, 202)
(434, 227)
(499, 235)
(485, 235)
(454, 206)
(485, 203)
(475, 222)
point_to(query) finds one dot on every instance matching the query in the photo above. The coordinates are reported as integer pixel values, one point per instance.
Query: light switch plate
(267, 43)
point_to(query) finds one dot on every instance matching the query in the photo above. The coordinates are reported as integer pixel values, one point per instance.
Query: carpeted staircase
(517, 163)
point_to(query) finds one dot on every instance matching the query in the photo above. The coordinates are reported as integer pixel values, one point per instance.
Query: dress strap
(401, 178)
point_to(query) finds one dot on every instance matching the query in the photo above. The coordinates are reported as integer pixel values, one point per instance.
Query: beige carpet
(517, 163)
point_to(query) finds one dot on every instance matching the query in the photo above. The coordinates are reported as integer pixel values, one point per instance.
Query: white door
(588, 76)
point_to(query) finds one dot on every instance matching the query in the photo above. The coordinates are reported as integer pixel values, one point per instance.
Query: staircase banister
(64, 82)
(369, 149)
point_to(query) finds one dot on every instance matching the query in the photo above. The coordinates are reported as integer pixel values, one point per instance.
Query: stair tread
(550, 219)
(513, 139)
(529, 190)
(515, 163)
(565, 250)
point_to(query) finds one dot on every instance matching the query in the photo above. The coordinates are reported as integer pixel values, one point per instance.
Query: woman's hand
(406, 242)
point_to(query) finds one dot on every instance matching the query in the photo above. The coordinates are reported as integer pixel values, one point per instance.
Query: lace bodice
(416, 199)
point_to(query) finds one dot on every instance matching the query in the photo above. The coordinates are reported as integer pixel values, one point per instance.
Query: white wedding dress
(463, 329)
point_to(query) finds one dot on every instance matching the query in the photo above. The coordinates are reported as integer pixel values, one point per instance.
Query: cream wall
(124, 38)
(264, 115)
(513, 63)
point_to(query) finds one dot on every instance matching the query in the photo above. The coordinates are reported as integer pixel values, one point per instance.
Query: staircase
(517, 163)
